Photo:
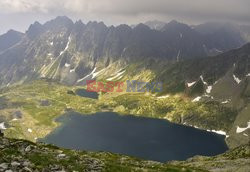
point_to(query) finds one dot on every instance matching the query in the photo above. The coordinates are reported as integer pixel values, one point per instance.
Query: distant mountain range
(243, 31)
(66, 51)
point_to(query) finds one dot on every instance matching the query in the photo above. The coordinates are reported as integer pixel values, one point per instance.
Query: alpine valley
(205, 71)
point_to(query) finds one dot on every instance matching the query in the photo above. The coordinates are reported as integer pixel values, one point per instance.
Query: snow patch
(125, 49)
(72, 70)
(191, 84)
(67, 46)
(245, 135)
(117, 76)
(42, 76)
(218, 51)
(120, 77)
(216, 82)
(97, 73)
(226, 101)
(178, 56)
(236, 79)
(219, 132)
(2, 126)
(196, 99)
(206, 95)
(248, 75)
(214, 51)
(15, 119)
(214, 131)
(67, 65)
(87, 75)
(163, 97)
(209, 89)
(240, 130)
(51, 43)
(202, 79)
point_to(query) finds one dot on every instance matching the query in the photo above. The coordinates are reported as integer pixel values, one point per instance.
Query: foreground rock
(19, 155)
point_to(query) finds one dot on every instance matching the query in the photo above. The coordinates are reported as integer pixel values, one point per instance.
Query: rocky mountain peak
(95, 25)
(79, 22)
(155, 24)
(62, 19)
(58, 23)
(141, 27)
(34, 30)
(174, 26)
(11, 31)
(9, 39)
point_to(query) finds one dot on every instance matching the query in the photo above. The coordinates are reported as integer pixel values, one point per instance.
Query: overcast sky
(19, 14)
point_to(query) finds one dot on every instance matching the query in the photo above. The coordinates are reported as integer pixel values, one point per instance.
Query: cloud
(133, 11)
(16, 6)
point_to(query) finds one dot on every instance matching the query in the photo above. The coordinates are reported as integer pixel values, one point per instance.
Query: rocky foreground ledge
(20, 155)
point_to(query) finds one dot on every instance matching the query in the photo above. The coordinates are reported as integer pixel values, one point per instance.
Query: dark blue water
(146, 138)
(85, 93)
